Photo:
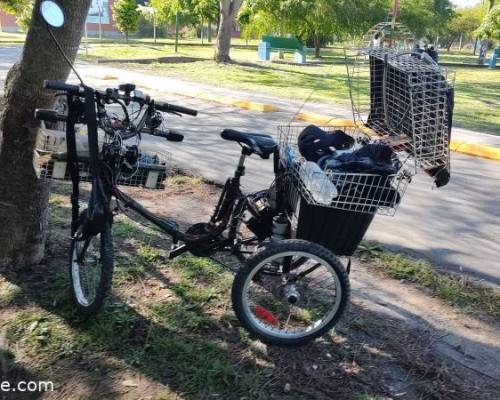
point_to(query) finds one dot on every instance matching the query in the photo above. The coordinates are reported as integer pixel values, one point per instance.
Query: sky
(464, 3)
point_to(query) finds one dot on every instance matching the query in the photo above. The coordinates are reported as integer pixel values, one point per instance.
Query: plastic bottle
(292, 155)
(322, 190)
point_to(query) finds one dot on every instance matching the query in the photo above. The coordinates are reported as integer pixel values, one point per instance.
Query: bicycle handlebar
(63, 86)
(166, 107)
(113, 95)
(49, 116)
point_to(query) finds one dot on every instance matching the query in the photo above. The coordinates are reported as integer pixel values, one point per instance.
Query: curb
(319, 119)
(473, 149)
(245, 104)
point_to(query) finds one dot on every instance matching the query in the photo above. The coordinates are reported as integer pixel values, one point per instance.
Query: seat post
(240, 170)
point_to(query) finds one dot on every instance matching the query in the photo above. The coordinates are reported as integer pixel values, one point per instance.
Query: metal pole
(100, 20)
(154, 24)
(86, 40)
(395, 8)
(202, 28)
(177, 31)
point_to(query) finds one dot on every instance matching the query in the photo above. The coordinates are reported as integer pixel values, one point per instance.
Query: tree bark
(228, 11)
(317, 46)
(23, 195)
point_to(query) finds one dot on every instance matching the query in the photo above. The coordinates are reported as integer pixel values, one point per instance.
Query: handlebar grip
(49, 116)
(169, 134)
(166, 107)
(61, 86)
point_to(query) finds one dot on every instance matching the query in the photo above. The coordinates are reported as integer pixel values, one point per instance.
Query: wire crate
(356, 192)
(404, 97)
(149, 172)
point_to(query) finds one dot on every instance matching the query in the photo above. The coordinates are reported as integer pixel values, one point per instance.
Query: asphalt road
(456, 227)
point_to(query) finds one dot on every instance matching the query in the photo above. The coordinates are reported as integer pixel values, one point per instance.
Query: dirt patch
(168, 331)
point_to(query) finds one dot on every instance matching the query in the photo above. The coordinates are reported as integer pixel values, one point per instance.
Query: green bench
(275, 43)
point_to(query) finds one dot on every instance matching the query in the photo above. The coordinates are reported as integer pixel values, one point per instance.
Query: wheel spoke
(86, 270)
(296, 302)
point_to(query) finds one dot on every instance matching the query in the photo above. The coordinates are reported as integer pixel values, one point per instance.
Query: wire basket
(149, 172)
(404, 97)
(357, 192)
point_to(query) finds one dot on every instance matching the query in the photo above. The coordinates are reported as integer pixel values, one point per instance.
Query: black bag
(315, 143)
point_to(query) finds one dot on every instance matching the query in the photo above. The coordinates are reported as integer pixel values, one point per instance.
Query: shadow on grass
(184, 338)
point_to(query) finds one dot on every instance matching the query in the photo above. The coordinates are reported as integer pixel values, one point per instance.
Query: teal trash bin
(264, 51)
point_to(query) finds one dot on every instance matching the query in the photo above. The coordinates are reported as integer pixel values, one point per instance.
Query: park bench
(275, 43)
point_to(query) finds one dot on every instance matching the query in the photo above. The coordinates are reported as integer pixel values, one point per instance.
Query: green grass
(8, 293)
(169, 341)
(184, 180)
(460, 56)
(477, 99)
(456, 290)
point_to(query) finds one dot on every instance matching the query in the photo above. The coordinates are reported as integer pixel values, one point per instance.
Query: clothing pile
(362, 172)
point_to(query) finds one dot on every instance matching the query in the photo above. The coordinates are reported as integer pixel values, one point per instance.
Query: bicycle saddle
(262, 145)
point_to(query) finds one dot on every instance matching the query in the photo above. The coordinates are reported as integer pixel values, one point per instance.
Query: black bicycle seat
(262, 145)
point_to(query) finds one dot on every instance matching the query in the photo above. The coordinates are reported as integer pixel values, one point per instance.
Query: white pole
(154, 24)
(100, 19)
(86, 40)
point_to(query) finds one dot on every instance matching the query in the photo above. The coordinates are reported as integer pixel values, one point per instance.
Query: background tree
(490, 27)
(22, 9)
(314, 22)
(206, 10)
(426, 18)
(150, 14)
(126, 16)
(228, 11)
(23, 195)
(464, 23)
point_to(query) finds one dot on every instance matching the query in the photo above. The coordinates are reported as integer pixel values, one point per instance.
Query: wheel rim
(86, 270)
(267, 298)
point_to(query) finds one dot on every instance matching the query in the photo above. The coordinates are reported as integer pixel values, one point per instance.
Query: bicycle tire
(106, 254)
(273, 249)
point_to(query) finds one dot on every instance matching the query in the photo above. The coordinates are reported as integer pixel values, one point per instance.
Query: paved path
(457, 227)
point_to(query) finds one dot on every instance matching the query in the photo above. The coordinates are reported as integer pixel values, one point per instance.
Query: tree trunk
(317, 46)
(126, 37)
(202, 32)
(228, 11)
(23, 195)
(209, 33)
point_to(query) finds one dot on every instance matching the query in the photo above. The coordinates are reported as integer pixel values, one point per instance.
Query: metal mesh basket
(404, 97)
(150, 172)
(357, 192)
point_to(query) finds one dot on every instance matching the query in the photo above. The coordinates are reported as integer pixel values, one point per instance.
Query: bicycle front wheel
(301, 300)
(91, 270)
